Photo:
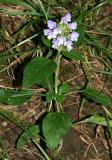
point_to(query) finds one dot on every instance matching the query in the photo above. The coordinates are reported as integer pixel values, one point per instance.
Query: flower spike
(63, 34)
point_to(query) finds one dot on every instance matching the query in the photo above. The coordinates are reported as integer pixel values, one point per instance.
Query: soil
(82, 142)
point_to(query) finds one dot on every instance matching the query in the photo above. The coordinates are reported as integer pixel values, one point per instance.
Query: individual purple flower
(61, 40)
(74, 36)
(55, 44)
(51, 24)
(51, 35)
(56, 31)
(46, 32)
(68, 44)
(66, 18)
(72, 26)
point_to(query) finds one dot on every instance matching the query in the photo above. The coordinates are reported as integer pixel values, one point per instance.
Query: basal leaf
(54, 127)
(97, 97)
(26, 136)
(37, 71)
(13, 97)
(97, 119)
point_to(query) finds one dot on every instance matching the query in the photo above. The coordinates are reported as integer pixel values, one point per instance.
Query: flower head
(62, 34)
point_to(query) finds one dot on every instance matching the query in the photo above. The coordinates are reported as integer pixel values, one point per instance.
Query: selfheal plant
(63, 34)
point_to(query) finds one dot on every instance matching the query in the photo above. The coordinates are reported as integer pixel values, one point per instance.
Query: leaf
(97, 119)
(18, 3)
(74, 55)
(19, 13)
(46, 41)
(37, 71)
(54, 127)
(49, 54)
(13, 2)
(64, 88)
(50, 95)
(81, 30)
(60, 98)
(97, 97)
(109, 127)
(47, 83)
(26, 136)
(12, 97)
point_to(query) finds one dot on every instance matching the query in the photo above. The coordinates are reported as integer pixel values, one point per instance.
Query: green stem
(87, 72)
(42, 150)
(57, 105)
(80, 4)
(36, 143)
(38, 146)
(57, 60)
(83, 101)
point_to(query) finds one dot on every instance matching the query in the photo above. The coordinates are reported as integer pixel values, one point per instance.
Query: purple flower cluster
(62, 34)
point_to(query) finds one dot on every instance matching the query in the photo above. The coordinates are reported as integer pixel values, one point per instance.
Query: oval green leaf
(37, 71)
(26, 136)
(55, 126)
(74, 55)
(12, 97)
(96, 119)
(95, 96)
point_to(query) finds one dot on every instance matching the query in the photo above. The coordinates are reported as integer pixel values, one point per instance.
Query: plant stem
(57, 60)
(80, 4)
(42, 150)
(36, 143)
(83, 100)
(57, 105)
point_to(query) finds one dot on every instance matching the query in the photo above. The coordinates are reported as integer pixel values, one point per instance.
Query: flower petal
(46, 32)
(74, 36)
(51, 24)
(66, 18)
(72, 26)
